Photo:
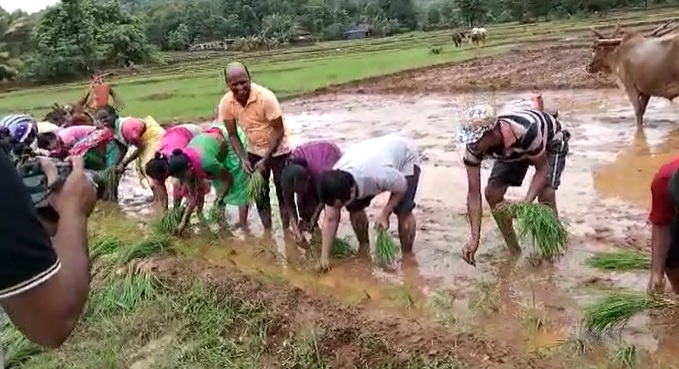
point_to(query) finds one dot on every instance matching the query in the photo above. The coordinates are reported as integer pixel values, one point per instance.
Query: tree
(78, 36)
(433, 15)
(179, 38)
(472, 11)
(14, 34)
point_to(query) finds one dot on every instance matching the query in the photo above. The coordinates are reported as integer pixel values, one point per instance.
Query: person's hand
(382, 222)
(298, 236)
(245, 164)
(180, 228)
(78, 194)
(260, 165)
(303, 226)
(656, 284)
(469, 252)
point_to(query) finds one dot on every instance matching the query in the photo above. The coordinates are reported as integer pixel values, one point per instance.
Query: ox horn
(660, 28)
(596, 33)
(608, 42)
(666, 31)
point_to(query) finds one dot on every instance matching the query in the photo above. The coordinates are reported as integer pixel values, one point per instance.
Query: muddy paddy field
(436, 311)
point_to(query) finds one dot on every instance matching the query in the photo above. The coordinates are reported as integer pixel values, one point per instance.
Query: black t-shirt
(27, 258)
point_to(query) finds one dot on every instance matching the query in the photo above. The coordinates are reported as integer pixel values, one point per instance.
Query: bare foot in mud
(363, 251)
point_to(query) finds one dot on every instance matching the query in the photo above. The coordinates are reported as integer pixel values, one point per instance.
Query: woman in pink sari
(157, 170)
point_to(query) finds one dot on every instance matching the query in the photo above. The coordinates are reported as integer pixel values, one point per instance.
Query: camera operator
(44, 267)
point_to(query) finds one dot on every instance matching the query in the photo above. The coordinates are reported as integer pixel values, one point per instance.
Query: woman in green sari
(209, 156)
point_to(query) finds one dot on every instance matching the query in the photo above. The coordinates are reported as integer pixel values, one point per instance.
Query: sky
(30, 6)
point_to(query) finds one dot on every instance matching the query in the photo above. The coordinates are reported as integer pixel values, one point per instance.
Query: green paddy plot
(188, 85)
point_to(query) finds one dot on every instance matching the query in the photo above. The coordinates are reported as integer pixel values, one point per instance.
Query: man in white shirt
(382, 164)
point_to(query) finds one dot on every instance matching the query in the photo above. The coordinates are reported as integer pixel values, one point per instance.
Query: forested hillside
(76, 37)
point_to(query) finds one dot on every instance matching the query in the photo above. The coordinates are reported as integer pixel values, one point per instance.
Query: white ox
(477, 35)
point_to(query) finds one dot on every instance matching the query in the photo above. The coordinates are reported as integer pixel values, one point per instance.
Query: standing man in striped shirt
(516, 140)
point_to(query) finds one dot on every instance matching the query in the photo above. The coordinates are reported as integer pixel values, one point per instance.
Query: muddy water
(604, 198)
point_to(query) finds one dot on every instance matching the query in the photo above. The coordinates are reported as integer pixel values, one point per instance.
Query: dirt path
(349, 337)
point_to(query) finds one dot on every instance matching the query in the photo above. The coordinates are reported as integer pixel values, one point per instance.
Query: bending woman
(157, 169)
(299, 177)
(144, 135)
(60, 142)
(208, 156)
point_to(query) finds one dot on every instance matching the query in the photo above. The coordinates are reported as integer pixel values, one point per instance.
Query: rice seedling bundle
(386, 249)
(613, 312)
(621, 260)
(169, 221)
(216, 214)
(125, 292)
(103, 245)
(152, 245)
(540, 225)
(256, 187)
(110, 180)
(341, 249)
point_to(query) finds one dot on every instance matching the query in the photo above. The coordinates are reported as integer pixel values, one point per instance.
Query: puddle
(604, 198)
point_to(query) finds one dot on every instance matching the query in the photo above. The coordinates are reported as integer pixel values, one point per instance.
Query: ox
(457, 37)
(477, 35)
(645, 65)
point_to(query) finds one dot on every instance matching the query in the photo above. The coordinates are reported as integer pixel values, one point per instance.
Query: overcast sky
(26, 5)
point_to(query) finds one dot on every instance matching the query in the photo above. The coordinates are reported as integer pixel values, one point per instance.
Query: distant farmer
(256, 111)
(665, 228)
(383, 164)
(300, 178)
(177, 137)
(98, 94)
(516, 140)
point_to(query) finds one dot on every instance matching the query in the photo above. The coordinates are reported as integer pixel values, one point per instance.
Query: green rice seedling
(256, 187)
(152, 245)
(110, 180)
(620, 260)
(625, 357)
(102, 245)
(614, 311)
(169, 221)
(539, 224)
(216, 215)
(341, 248)
(17, 348)
(386, 249)
(125, 292)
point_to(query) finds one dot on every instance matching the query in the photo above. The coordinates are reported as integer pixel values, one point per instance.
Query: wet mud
(525, 67)
(604, 198)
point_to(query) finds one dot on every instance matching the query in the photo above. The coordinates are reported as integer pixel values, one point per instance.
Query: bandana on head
(476, 121)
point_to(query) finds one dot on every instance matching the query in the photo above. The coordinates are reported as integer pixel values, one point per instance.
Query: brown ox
(457, 38)
(645, 65)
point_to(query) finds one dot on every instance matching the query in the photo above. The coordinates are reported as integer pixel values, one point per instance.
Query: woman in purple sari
(305, 165)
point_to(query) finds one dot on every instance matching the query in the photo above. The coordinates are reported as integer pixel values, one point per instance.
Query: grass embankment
(133, 320)
(189, 85)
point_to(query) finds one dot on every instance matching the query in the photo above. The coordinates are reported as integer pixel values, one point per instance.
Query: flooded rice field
(604, 198)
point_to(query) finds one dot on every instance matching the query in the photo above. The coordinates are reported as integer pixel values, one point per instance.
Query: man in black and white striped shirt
(516, 141)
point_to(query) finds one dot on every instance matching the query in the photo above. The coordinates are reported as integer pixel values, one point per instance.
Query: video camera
(28, 166)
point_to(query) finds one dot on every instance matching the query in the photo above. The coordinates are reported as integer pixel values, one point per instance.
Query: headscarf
(475, 122)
